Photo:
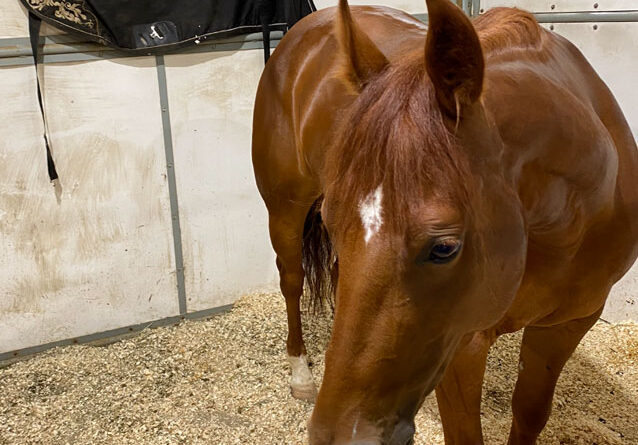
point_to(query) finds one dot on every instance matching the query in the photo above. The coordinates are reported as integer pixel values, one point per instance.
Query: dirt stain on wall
(107, 192)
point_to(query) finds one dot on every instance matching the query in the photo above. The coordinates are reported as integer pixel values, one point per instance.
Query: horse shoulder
(558, 148)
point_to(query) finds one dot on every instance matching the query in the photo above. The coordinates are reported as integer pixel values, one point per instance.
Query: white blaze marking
(301, 375)
(354, 428)
(370, 211)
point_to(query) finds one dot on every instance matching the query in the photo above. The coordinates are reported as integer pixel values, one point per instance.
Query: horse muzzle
(402, 434)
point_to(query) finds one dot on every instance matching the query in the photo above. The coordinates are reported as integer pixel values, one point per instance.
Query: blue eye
(444, 250)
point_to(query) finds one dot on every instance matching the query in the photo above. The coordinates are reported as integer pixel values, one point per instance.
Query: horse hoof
(301, 383)
(304, 392)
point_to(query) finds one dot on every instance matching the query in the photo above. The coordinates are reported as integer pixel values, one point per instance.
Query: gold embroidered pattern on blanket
(70, 11)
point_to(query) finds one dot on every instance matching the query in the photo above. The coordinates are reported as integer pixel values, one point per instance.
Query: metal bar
(66, 44)
(71, 48)
(172, 184)
(569, 17)
(476, 8)
(44, 40)
(106, 337)
(61, 58)
(587, 17)
(231, 46)
(65, 48)
(421, 17)
(111, 54)
(466, 6)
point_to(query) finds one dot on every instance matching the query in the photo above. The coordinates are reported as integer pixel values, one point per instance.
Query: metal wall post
(476, 8)
(466, 6)
(172, 184)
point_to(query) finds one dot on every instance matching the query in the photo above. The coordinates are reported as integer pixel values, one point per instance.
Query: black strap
(266, 32)
(34, 32)
(267, 12)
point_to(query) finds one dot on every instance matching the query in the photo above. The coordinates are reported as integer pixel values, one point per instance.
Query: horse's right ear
(453, 57)
(362, 60)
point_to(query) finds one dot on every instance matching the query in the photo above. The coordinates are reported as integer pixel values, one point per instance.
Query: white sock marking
(370, 210)
(301, 375)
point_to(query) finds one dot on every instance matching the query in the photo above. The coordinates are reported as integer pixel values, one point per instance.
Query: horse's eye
(442, 251)
(445, 250)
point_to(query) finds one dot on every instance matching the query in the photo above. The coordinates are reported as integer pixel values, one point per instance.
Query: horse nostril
(403, 434)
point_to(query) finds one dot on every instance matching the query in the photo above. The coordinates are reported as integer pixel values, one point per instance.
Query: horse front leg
(286, 233)
(459, 392)
(301, 384)
(544, 352)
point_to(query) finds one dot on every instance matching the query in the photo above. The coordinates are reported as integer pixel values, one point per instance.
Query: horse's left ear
(453, 57)
(362, 59)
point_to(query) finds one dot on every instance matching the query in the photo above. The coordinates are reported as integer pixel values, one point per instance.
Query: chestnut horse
(469, 179)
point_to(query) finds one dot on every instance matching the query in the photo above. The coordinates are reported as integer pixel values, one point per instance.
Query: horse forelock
(394, 137)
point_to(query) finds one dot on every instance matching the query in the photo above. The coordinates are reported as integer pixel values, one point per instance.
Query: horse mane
(503, 29)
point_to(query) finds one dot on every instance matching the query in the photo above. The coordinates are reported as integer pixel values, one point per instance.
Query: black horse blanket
(143, 25)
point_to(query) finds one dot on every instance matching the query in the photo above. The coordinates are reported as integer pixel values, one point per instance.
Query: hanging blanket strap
(266, 12)
(34, 32)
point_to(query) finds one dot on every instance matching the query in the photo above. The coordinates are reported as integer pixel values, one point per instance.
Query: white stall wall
(14, 23)
(411, 6)
(95, 254)
(609, 49)
(227, 251)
